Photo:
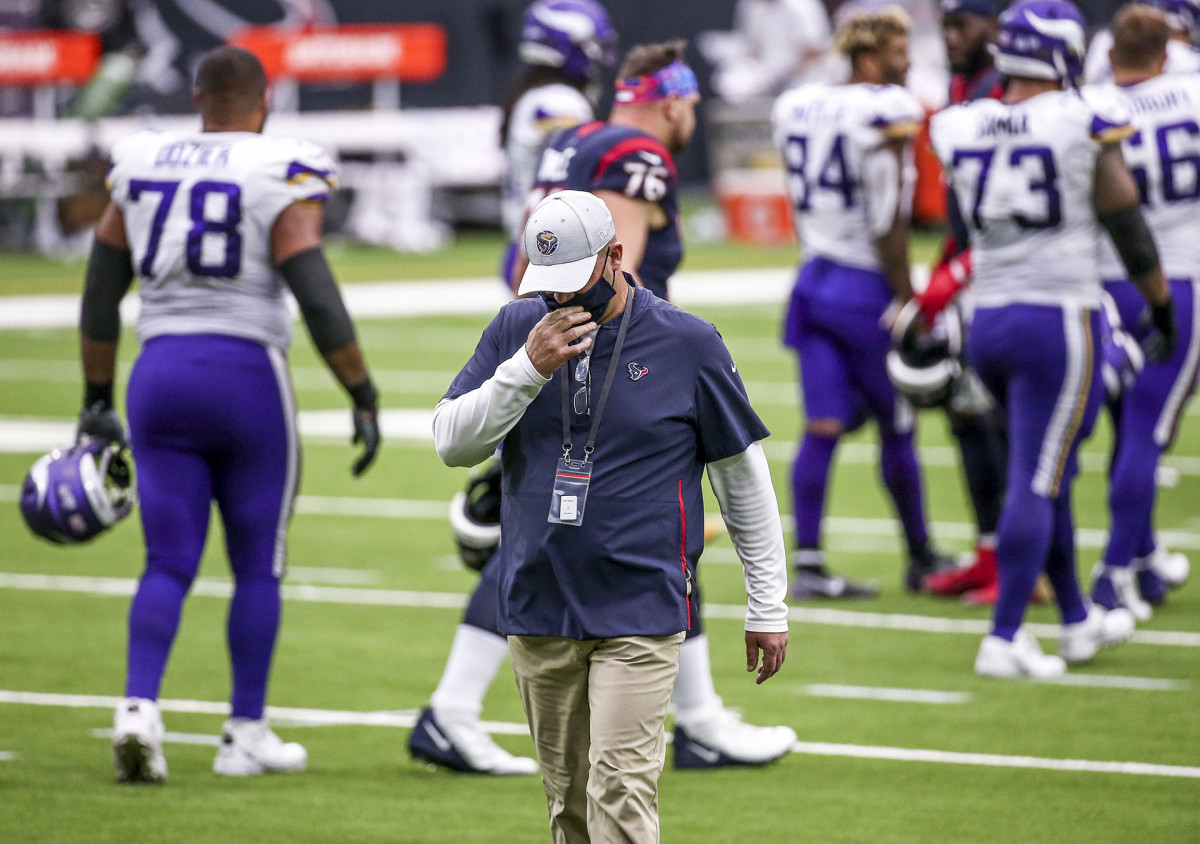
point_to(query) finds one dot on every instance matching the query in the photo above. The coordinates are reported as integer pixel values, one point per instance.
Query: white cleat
(249, 747)
(137, 742)
(718, 737)
(1171, 566)
(1022, 657)
(1102, 628)
(1116, 586)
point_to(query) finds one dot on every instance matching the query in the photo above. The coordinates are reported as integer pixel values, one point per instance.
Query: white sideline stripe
(856, 532)
(882, 693)
(414, 426)
(203, 739)
(992, 760)
(278, 714)
(447, 600)
(1114, 681)
(9, 756)
(854, 751)
(440, 297)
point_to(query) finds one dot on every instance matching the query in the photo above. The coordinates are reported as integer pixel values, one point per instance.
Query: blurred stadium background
(899, 740)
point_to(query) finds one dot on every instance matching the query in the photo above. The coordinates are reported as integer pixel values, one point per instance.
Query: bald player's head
(230, 91)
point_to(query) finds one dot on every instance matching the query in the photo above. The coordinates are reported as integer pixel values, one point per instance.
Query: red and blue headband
(674, 80)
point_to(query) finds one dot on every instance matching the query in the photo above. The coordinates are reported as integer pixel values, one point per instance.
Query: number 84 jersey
(1023, 178)
(198, 211)
(826, 133)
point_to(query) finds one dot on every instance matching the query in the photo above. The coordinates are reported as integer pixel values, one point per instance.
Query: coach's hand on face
(549, 343)
(774, 651)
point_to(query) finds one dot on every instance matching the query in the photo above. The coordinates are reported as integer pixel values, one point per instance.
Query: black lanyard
(608, 379)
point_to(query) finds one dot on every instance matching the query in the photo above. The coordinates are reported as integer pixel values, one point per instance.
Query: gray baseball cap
(563, 235)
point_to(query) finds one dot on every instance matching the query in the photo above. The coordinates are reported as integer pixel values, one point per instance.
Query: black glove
(1160, 343)
(98, 419)
(366, 424)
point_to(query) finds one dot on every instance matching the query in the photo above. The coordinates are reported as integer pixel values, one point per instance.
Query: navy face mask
(594, 301)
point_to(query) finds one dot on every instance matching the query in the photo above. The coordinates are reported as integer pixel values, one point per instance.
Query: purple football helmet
(1041, 39)
(1180, 14)
(574, 35)
(73, 495)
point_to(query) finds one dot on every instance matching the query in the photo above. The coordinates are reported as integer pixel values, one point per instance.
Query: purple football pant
(843, 377)
(1042, 364)
(211, 418)
(1146, 419)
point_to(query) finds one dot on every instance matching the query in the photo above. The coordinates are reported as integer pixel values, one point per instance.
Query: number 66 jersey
(1023, 177)
(198, 210)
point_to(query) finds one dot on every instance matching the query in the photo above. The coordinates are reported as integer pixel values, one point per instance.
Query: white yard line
(323, 574)
(119, 586)
(885, 694)
(406, 720)
(1112, 681)
(9, 756)
(991, 760)
(202, 739)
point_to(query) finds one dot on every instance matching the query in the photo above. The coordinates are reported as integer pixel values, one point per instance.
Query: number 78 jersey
(198, 211)
(1023, 177)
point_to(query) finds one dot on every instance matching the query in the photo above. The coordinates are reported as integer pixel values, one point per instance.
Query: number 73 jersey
(1023, 177)
(198, 211)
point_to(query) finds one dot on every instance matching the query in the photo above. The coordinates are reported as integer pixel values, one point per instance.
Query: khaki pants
(596, 709)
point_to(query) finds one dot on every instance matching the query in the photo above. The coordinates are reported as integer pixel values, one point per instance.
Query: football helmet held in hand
(72, 495)
(925, 361)
(475, 518)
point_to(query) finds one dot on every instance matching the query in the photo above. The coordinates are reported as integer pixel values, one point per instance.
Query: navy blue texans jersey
(598, 156)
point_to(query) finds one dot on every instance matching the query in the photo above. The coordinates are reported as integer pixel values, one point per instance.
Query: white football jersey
(1022, 175)
(198, 212)
(536, 115)
(1164, 157)
(825, 132)
(1097, 68)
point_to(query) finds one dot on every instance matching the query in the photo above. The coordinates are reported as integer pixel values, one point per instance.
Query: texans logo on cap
(636, 371)
(547, 242)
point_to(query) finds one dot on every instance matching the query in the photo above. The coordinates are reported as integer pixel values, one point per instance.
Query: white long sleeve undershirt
(467, 429)
(742, 484)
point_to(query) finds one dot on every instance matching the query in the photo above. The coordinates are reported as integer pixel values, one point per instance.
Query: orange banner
(47, 57)
(352, 53)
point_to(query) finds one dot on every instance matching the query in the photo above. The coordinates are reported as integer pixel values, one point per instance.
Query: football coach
(598, 382)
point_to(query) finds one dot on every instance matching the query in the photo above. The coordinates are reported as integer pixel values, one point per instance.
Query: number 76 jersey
(198, 211)
(1023, 177)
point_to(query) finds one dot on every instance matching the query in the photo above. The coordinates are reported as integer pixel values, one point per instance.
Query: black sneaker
(817, 582)
(927, 561)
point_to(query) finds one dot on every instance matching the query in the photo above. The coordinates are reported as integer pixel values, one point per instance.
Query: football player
(217, 225)
(968, 29)
(1183, 17)
(566, 45)
(1165, 112)
(628, 162)
(1036, 175)
(847, 152)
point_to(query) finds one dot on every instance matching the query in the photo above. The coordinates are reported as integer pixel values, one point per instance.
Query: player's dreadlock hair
(868, 32)
(1140, 34)
(229, 82)
(651, 58)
